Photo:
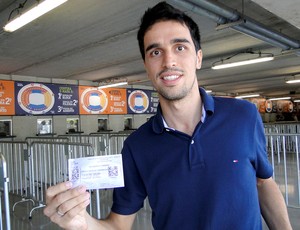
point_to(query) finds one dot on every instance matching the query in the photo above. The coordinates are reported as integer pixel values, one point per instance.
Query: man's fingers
(57, 189)
(68, 209)
(61, 198)
(76, 212)
(51, 194)
(71, 203)
(81, 207)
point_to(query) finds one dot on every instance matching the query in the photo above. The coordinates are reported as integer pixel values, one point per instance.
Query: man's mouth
(170, 77)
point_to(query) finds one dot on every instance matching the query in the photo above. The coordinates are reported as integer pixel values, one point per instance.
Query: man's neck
(182, 115)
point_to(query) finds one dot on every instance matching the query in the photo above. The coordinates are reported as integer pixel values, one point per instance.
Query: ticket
(98, 172)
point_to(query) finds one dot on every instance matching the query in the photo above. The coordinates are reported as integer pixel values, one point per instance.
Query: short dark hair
(165, 12)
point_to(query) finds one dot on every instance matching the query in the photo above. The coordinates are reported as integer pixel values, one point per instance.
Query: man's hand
(66, 206)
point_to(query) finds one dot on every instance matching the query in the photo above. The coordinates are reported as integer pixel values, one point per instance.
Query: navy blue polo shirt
(203, 181)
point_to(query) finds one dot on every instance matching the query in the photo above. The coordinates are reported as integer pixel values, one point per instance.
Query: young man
(201, 160)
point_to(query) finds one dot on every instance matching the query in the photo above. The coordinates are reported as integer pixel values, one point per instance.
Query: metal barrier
(29, 140)
(4, 188)
(99, 141)
(283, 150)
(40, 162)
(33, 169)
(116, 142)
(16, 155)
(76, 138)
(284, 128)
(48, 164)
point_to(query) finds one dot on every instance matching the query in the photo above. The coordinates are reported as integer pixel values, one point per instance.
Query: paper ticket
(97, 172)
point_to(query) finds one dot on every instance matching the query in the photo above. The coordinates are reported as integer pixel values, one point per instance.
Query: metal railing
(4, 180)
(48, 164)
(283, 150)
(29, 140)
(40, 162)
(16, 155)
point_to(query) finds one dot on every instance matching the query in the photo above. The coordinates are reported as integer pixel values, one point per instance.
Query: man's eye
(155, 53)
(180, 48)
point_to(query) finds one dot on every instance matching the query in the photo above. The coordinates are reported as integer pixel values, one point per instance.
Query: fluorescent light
(298, 100)
(208, 91)
(32, 14)
(247, 96)
(113, 85)
(240, 63)
(293, 81)
(279, 98)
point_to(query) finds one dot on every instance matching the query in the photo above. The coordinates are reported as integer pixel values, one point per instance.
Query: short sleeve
(263, 167)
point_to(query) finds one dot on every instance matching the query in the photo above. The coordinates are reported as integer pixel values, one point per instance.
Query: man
(201, 160)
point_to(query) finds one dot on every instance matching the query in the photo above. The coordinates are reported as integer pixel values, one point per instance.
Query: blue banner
(141, 101)
(45, 99)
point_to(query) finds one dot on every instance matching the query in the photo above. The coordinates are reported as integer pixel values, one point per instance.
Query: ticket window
(72, 125)
(102, 125)
(5, 128)
(127, 123)
(44, 126)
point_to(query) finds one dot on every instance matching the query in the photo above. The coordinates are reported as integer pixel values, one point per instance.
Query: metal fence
(99, 142)
(16, 155)
(283, 152)
(283, 142)
(104, 143)
(40, 162)
(48, 164)
(4, 180)
(284, 128)
(29, 140)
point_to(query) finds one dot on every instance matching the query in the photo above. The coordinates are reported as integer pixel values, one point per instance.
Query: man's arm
(67, 208)
(273, 207)
(114, 222)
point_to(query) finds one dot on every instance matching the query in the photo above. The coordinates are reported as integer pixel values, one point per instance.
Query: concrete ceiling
(96, 40)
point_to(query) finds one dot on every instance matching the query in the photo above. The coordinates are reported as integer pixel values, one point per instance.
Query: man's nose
(169, 60)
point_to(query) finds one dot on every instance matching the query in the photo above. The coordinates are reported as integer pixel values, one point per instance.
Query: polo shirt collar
(207, 106)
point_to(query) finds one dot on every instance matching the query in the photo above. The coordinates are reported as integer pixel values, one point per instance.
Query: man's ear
(199, 59)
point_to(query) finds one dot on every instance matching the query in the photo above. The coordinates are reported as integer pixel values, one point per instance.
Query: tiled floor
(288, 186)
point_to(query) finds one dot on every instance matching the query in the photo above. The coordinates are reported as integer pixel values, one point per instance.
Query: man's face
(171, 59)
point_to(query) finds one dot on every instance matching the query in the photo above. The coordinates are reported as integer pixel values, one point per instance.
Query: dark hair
(165, 12)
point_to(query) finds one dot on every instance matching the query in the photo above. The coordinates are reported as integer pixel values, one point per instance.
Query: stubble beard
(170, 95)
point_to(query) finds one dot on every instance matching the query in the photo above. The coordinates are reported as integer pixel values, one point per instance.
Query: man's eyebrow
(180, 40)
(154, 45)
(173, 41)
